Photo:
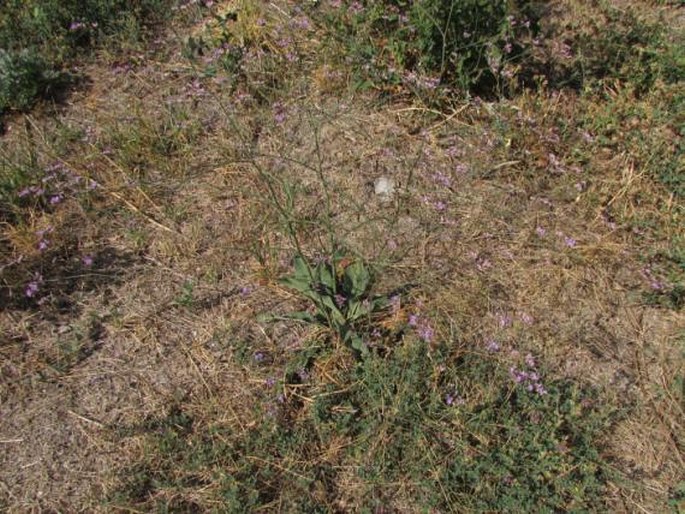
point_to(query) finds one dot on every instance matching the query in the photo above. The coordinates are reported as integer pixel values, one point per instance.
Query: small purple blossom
(587, 137)
(526, 318)
(540, 231)
(340, 300)
(425, 333)
(270, 382)
(55, 199)
(43, 245)
(461, 168)
(452, 399)
(504, 320)
(302, 23)
(492, 346)
(87, 260)
(413, 320)
(245, 290)
(440, 205)
(395, 301)
(279, 113)
(259, 356)
(33, 287)
(570, 242)
(442, 179)
(530, 379)
(530, 361)
(356, 7)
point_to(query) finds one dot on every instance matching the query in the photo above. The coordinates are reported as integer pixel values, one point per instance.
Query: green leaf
(326, 277)
(302, 270)
(335, 314)
(356, 343)
(298, 284)
(356, 280)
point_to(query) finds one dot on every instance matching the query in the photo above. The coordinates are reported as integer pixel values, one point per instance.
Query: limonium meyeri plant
(340, 291)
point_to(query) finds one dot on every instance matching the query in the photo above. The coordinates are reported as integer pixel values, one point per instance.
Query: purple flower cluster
(76, 26)
(421, 81)
(279, 113)
(43, 242)
(528, 378)
(504, 320)
(654, 283)
(340, 300)
(422, 327)
(492, 346)
(453, 399)
(33, 287)
(58, 180)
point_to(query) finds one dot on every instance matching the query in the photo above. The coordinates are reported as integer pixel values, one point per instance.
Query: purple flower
(426, 333)
(356, 7)
(504, 320)
(540, 389)
(339, 300)
(454, 399)
(31, 289)
(55, 199)
(492, 345)
(270, 382)
(570, 242)
(517, 375)
(87, 260)
(529, 379)
(245, 290)
(279, 113)
(259, 356)
(526, 318)
(302, 23)
(413, 320)
(43, 245)
(530, 361)
(540, 231)
(442, 179)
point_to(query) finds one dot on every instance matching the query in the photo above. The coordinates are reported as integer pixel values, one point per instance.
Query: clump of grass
(408, 428)
(40, 38)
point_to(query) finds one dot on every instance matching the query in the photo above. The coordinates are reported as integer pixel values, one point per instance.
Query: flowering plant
(339, 289)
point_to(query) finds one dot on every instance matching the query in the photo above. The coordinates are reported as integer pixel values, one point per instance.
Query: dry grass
(182, 223)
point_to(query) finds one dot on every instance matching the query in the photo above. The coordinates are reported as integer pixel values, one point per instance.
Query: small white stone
(384, 187)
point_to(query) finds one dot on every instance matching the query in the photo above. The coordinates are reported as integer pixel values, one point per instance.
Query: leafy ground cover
(285, 257)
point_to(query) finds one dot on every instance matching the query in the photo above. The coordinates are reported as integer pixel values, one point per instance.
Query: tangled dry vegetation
(530, 234)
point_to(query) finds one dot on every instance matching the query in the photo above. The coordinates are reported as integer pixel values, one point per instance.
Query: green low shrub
(470, 45)
(24, 76)
(39, 38)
